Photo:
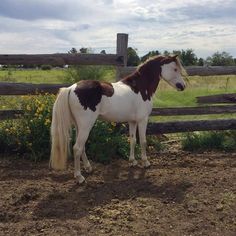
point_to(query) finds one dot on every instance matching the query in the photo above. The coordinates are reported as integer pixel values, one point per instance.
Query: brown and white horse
(129, 100)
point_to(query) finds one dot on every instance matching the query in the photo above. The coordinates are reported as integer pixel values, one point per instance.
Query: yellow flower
(113, 124)
(47, 121)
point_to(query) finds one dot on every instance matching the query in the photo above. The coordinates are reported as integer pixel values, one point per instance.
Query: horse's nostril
(179, 86)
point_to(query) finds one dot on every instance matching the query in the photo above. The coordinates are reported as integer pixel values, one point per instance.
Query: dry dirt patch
(181, 194)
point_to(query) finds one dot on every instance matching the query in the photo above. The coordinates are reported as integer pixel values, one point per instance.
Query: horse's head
(172, 72)
(147, 76)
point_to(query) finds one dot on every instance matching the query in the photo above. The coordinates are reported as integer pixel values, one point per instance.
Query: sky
(44, 26)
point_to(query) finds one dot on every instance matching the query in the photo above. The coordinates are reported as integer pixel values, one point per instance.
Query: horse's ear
(174, 57)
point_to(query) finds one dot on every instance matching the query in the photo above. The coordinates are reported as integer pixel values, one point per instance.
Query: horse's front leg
(132, 134)
(142, 126)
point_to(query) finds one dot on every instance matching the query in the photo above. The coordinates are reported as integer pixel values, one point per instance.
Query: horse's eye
(175, 69)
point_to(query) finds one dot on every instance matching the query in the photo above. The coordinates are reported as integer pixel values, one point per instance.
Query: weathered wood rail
(62, 59)
(191, 70)
(190, 126)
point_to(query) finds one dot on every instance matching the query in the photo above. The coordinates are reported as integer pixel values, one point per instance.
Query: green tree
(221, 59)
(150, 54)
(166, 53)
(187, 57)
(73, 51)
(200, 62)
(103, 52)
(133, 58)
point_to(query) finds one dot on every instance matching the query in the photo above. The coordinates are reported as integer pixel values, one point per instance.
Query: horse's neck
(146, 85)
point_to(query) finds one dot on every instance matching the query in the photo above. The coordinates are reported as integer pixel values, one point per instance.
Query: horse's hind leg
(87, 165)
(78, 149)
(142, 126)
(132, 134)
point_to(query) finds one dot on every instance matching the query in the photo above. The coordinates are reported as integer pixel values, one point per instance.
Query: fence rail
(27, 88)
(191, 70)
(190, 126)
(221, 98)
(62, 59)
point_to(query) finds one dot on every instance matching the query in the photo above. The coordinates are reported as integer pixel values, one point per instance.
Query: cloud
(56, 26)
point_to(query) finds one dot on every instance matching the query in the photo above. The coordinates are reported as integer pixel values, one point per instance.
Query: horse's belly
(117, 116)
(124, 111)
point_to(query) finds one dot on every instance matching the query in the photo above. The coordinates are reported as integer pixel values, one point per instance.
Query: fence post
(121, 50)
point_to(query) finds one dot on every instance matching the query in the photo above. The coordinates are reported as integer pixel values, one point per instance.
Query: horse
(128, 100)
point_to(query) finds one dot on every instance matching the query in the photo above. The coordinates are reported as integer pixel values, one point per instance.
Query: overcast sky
(44, 26)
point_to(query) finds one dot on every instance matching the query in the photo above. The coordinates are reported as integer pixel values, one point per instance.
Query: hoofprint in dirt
(180, 194)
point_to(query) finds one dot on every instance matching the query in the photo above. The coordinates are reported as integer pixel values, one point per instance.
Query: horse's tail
(60, 130)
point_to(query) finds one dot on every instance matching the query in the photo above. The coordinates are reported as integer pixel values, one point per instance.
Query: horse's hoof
(133, 163)
(80, 179)
(88, 168)
(146, 164)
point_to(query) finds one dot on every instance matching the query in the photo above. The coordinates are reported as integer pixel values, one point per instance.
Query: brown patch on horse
(90, 92)
(146, 78)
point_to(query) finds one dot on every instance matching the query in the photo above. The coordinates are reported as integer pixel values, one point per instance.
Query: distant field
(196, 86)
(33, 76)
(166, 96)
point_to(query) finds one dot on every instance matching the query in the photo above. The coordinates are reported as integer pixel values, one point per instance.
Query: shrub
(46, 67)
(224, 140)
(31, 133)
(106, 141)
(77, 73)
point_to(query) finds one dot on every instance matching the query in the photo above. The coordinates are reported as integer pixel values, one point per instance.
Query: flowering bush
(31, 133)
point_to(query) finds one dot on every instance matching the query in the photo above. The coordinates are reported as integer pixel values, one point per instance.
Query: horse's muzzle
(180, 87)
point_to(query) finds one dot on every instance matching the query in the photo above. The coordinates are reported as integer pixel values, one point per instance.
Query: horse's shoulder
(89, 92)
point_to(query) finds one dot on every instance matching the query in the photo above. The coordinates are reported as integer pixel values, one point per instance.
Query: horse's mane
(165, 60)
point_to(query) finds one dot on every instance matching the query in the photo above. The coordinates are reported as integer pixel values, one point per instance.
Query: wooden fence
(120, 60)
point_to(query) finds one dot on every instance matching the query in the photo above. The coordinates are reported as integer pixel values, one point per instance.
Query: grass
(166, 96)
(224, 141)
(33, 76)
(197, 86)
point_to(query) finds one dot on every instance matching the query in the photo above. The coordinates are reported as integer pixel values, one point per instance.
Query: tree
(103, 52)
(187, 57)
(221, 59)
(150, 54)
(84, 50)
(200, 62)
(166, 53)
(73, 51)
(133, 58)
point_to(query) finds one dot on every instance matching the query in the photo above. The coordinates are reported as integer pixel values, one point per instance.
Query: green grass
(33, 76)
(224, 141)
(166, 96)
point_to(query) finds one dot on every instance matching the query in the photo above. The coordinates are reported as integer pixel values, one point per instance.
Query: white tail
(60, 131)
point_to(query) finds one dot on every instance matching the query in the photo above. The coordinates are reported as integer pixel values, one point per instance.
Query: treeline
(188, 58)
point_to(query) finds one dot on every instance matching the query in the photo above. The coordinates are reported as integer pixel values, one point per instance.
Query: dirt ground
(180, 194)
